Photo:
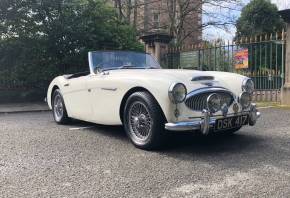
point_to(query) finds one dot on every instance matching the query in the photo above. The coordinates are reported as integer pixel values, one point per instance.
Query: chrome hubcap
(58, 107)
(140, 120)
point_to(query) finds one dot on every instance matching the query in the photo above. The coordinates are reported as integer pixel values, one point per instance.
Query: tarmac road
(41, 159)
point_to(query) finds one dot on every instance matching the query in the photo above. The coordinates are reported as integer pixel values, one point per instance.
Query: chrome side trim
(109, 89)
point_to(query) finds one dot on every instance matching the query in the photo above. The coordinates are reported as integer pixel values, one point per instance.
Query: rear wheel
(144, 121)
(58, 108)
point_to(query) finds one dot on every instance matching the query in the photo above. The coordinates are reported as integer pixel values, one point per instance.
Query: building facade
(282, 4)
(180, 19)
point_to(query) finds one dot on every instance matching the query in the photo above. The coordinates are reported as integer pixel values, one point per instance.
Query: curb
(28, 111)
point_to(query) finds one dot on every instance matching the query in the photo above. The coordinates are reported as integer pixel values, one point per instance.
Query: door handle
(66, 85)
(89, 90)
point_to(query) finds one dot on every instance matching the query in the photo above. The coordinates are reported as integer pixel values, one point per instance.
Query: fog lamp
(214, 103)
(245, 100)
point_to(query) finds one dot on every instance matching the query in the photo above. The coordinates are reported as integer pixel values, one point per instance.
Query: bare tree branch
(184, 17)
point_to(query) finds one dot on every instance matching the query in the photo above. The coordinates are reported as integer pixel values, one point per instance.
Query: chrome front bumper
(205, 123)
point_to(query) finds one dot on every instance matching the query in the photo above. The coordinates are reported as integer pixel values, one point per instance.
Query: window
(156, 20)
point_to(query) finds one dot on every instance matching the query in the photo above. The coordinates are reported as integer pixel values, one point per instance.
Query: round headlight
(177, 92)
(214, 103)
(248, 86)
(245, 100)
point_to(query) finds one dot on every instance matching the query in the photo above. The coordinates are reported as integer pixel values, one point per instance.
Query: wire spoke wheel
(58, 107)
(140, 120)
(143, 121)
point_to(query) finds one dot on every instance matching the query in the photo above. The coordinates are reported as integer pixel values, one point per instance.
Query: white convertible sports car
(130, 88)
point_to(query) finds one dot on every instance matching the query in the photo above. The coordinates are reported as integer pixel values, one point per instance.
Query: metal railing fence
(261, 57)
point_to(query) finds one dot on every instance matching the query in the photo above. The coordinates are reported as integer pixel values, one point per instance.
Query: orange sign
(242, 59)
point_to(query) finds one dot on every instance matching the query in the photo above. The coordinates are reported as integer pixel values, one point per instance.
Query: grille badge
(225, 109)
(236, 108)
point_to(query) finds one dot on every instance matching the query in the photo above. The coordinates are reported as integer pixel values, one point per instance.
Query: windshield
(102, 61)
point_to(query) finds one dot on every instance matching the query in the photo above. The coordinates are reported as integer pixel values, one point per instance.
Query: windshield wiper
(135, 67)
(110, 68)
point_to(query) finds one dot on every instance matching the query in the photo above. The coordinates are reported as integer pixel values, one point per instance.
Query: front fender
(55, 83)
(160, 93)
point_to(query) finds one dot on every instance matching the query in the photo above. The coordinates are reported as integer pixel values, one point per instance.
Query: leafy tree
(259, 17)
(40, 39)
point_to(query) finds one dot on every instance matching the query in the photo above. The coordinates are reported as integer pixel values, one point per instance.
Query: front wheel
(144, 121)
(58, 108)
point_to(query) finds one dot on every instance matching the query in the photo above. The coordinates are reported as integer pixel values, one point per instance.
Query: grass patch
(268, 104)
(272, 104)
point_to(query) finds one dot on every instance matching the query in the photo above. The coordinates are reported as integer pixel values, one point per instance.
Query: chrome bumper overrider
(207, 121)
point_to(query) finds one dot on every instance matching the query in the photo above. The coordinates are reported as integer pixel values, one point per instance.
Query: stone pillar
(150, 49)
(156, 43)
(157, 51)
(285, 93)
(287, 57)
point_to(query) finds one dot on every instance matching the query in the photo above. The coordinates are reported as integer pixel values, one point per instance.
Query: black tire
(58, 108)
(146, 128)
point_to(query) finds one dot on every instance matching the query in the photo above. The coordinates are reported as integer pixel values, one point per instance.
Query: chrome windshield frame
(93, 70)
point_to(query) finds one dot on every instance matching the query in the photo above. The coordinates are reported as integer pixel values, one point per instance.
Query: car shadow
(117, 132)
(186, 141)
(243, 150)
(211, 143)
(246, 148)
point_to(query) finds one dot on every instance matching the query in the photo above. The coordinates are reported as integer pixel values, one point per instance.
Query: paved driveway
(41, 159)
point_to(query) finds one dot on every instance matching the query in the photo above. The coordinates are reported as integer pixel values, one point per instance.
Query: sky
(223, 12)
(282, 4)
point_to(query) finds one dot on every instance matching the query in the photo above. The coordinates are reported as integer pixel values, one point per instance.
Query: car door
(75, 95)
(105, 98)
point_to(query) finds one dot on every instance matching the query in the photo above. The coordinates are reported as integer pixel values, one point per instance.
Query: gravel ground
(41, 159)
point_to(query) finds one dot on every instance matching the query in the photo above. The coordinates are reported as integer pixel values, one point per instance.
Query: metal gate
(261, 57)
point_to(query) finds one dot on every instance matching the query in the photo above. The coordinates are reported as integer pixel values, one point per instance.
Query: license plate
(231, 122)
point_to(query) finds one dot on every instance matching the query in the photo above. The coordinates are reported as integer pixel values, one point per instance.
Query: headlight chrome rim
(247, 104)
(248, 85)
(172, 93)
(210, 103)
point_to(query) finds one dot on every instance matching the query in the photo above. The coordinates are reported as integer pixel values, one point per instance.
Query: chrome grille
(198, 102)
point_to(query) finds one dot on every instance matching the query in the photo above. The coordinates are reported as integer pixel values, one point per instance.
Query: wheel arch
(129, 93)
(55, 84)
(55, 87)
